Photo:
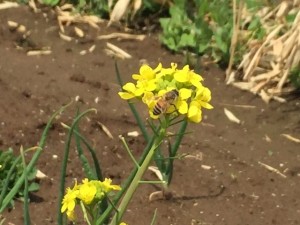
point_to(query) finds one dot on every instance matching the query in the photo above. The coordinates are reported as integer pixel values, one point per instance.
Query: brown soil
(237, 190)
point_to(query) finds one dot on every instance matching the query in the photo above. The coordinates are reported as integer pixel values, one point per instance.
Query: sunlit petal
(185, 93)
(180, 76)
(206, 105)
(129, 87)
(136, 76)
(194, 114)
(147, 72)
(182, 107)
(158, 68)
(126, 95)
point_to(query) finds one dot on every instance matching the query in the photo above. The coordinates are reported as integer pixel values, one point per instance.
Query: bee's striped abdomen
(157, 110)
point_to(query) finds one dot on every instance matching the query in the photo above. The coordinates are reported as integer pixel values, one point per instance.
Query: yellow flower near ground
(107, 186)
(88, 192)
(69, 201)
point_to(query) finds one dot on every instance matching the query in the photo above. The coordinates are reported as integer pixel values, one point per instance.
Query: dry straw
(268, 62)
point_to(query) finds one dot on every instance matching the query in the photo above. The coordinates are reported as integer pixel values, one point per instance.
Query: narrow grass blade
(6, 181)
(92, 152)
(65, 162)
(85, 163)
(154, 217)
(32, 162)
(26, 196)
(88, 169)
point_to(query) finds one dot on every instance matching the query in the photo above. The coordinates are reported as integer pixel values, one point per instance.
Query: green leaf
(33, 187)
(187, 40)
(50, 2)
(202, 48)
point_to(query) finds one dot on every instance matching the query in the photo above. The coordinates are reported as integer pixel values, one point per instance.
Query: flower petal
(136, 76)
(147, 72)
(129, 87)
(206, 105)
(158, 68)
(148, 97)
(180, 76)
(182, 107)
(126, 95)
(151, 85)
(185, 93)
(71, 215)
(195, 114)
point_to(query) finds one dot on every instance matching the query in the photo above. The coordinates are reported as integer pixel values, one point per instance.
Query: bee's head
(176, 92)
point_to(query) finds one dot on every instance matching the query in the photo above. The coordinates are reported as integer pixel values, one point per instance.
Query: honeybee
(165, 101)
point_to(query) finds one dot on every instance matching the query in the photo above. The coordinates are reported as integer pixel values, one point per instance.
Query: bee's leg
(175, 109)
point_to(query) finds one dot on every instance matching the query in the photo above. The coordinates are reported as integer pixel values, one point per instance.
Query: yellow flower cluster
(88, 192)
(152, 85)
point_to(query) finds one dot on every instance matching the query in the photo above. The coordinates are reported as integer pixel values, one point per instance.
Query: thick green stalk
(126, 184)
(136, 180)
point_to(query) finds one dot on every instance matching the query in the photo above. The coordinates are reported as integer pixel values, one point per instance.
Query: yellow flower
(71, 215)
(201, 99)
(188, 76)
(167, 71)
(69, 201)
(194, 112)
(131, 91)
(181, 104)
(123, 223)
(147, 85)
(87, 192)
(203, 96)
(147, 73)
(107, 186)
(142, 86)
(151, 86)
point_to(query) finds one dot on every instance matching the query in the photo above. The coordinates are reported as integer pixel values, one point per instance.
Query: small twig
(118, 51)
(122, 36)
(231, 116)
(239, 106)
(272, 169)
(291, 138)
(105, 130)
(7, 5)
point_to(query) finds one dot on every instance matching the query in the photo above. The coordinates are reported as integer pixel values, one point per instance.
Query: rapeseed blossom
(152, 84)
(89, 192)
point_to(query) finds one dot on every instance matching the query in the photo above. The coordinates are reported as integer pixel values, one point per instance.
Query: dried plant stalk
(268, 63)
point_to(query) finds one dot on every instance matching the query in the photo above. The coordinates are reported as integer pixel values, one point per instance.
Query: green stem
(129, 152)
(136, 180)
(173, 150)
(126, 184)
(85, 215)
